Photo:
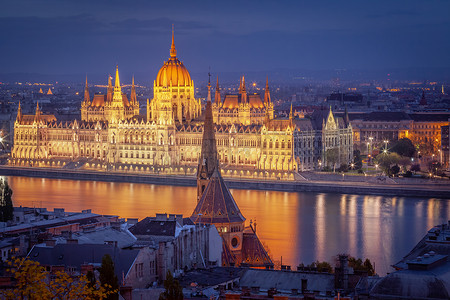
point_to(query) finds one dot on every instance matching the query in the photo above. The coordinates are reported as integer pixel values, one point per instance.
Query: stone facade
(112, 136)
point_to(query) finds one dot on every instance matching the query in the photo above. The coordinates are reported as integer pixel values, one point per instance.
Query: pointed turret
(346, 118)
(290, 115)
(117, 80)
(209, 88)
(133, 97)
(242, 90)
(49, 92)
(40, 91)
(173, 51)
(37, 115)
(87, 99)
(19, 113)
(217, 98)
(110, 90)
(117, 96)
(267, 93)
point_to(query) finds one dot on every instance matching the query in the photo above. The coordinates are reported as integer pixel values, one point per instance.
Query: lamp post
(385, 145)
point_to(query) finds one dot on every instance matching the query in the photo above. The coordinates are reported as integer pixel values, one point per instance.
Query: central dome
(173, 72)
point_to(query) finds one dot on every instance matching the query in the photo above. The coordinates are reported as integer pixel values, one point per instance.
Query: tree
(357, 160)
(6, 205)
(435, 167)
(173, 289)
(386, 160)
(358, 265)
(324, 267)
(404, 147)
(108, 277)
(32, 281)
(395, 170)
(415, 168)
(332, 157)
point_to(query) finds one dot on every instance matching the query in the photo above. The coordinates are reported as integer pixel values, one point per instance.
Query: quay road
(325, 183)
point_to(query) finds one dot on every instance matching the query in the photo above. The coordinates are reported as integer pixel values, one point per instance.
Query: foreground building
(111, 135)
(216, 206)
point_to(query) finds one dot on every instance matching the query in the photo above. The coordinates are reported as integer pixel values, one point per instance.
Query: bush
(408, 174)
(415, 168)
(343, 168)
(360, 171)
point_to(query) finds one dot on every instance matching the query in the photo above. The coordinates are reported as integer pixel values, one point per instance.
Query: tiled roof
(217, 204)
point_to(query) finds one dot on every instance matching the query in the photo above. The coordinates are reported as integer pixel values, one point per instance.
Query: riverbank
(327, 184)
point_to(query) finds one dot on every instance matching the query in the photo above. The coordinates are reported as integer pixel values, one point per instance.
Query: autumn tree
(6, 205)
(34, 282)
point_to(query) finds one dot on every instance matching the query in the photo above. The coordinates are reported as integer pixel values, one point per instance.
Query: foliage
(343, 168)
(415, 168)
(6, 205)
(108, 277)
(358, 265)
(173, 289)
(34, 282)
(332, 157)
(435, 167)
(323, 267)
(408, 174)
(404, 147)
(357, 159)
(386, 160)
(395, 170)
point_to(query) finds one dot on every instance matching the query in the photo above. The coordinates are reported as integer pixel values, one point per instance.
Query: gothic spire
(217, 95)
(208, 158)
(19, 113)
(133, 97)
(173, 51)
(38, 112)
(86, 93)
(209, 87)
(346, 118)
(267, 92)
(117, 81)
(110, 90)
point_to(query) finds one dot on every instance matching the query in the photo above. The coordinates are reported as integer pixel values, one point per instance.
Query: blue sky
(68, 37)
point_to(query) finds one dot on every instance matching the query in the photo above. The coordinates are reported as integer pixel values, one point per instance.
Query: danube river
(296, 227)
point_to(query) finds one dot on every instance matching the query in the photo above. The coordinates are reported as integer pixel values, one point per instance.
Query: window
(139, 269)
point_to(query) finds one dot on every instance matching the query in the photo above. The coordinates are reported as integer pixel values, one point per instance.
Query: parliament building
(112, 136)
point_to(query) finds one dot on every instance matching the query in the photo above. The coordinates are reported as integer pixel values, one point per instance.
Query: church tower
(208, 158)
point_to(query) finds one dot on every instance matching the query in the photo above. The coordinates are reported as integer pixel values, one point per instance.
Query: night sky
(84, 36)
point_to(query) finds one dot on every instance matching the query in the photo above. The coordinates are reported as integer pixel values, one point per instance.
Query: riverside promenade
(305, 182)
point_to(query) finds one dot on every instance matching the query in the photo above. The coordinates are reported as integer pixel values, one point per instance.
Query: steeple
(217, 95)
(442, 90)
(267, 93)
(19, 113)
(208, 158)
(173, 51)
(133, 97)
(87, 99)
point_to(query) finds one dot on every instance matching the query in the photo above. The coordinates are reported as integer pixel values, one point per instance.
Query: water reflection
(300, 227)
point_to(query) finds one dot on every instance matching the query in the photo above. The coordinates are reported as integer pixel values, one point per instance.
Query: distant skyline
(78, 37)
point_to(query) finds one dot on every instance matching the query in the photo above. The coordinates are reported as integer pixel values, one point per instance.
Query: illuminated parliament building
(111, 135)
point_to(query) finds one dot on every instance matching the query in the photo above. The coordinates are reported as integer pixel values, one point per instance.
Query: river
(296, 227)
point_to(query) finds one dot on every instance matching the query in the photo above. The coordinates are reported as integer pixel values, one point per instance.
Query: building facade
(112, 136)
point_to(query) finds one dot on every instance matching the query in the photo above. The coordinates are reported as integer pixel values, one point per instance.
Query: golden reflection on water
(300, 227)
